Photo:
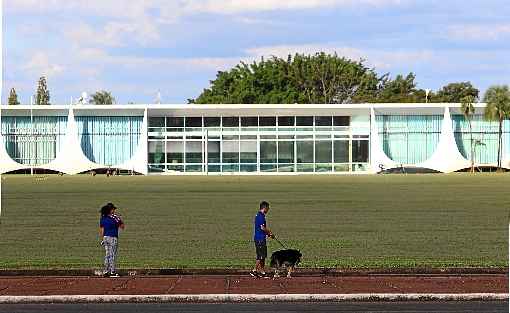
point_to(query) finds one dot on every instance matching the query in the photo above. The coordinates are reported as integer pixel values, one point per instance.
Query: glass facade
(251, 144)
(485, 138)
(408, 139)
(109, 140)
(33, 141)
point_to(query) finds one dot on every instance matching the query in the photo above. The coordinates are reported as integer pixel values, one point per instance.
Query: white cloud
(479, 32)
(40, 64)
(113, 34)
(381, 60)
(241, 6)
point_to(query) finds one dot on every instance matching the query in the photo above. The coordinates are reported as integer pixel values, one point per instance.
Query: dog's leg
(289, 271)
(276, 274)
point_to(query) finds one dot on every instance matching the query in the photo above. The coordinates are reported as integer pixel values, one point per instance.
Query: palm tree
(102, 97)
(498, 109)
(468, 110)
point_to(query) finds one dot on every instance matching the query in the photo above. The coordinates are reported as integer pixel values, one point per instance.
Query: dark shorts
(261, 249)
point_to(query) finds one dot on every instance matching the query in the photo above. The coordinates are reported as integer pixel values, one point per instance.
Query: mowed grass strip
(383, 221)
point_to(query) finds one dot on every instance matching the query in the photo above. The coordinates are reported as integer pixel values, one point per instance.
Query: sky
(135, 48)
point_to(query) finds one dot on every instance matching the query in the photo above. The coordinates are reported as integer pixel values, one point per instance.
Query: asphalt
(379, 307)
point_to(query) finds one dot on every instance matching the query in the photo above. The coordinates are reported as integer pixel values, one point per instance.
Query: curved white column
(378, 157)
(7, 164)
(447, 157)
(71, 159)
(138, 162)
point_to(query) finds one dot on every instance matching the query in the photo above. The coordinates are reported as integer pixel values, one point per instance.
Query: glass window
(175, 152)
(341, 120)
(304, 120)
(175, 168)
(285, 120)
(194, 122)
(341, 151)
(175, 121)
(213, 152)
(360, 151)
(268, 152)
(231, 151)
(249, 121)
(304, 152)
(248, 168)
(155, 168)
(157, 122)
(231, 121)
(194, 168)
(156, 152)
(248, 152)
(286, 152)
(267, 121)
(323, 121)
(323, 151)
(212, 121)
(268, 167)
(193, 152)
(214, 168)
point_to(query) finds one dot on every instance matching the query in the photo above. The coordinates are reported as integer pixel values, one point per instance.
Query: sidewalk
(244, 284)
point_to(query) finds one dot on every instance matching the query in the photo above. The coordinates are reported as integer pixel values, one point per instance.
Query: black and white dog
(285, 258)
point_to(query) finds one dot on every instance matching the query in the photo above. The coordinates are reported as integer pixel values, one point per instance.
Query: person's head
(264, 207)
(108, 209)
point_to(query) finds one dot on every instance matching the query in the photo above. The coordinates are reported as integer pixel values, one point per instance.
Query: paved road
(380, 307)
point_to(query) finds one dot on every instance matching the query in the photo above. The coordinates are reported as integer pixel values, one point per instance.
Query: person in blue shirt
(109, 231)
(261, 231)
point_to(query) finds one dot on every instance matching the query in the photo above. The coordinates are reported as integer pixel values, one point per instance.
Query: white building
(247, 139)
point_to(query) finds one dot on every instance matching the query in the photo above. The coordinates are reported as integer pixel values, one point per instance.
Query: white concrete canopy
(378, 158)
(138, 161)
(71, 159)
(7, 164)
(446, 158)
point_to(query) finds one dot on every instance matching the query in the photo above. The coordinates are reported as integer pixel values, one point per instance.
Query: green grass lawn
(379, 221)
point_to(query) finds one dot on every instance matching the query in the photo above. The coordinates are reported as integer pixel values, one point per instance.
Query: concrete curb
(235, 298)
(299, 272)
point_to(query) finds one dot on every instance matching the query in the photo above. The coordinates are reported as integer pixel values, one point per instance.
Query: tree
(43, 94)
(102, 97)
(498, 109)
(455, 92)
(13, 97)
(318, 78)
(401, 89)
(468, 110)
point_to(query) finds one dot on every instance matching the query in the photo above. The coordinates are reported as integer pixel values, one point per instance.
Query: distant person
(109, 231)
(260, 233)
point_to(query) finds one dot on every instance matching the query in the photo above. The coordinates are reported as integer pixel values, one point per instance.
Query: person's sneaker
(106, 274)
(114, 275)
(254, 274)
(263, 275)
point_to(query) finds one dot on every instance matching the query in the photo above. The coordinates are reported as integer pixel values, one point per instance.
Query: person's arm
(122, 225)
(101, 234)
(266, 230)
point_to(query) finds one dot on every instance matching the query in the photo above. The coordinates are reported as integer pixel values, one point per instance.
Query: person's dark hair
(106, 209)
(264, 205)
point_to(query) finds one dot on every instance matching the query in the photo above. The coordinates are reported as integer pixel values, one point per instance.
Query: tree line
(42, 96)
(322, 79)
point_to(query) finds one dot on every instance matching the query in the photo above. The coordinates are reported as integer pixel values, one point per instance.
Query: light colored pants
(110, 246)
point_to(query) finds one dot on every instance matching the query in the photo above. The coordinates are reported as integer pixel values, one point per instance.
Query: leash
(280, 243)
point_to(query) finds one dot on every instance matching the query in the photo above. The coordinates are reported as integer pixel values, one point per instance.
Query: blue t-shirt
(260, 220)
(110, 225)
